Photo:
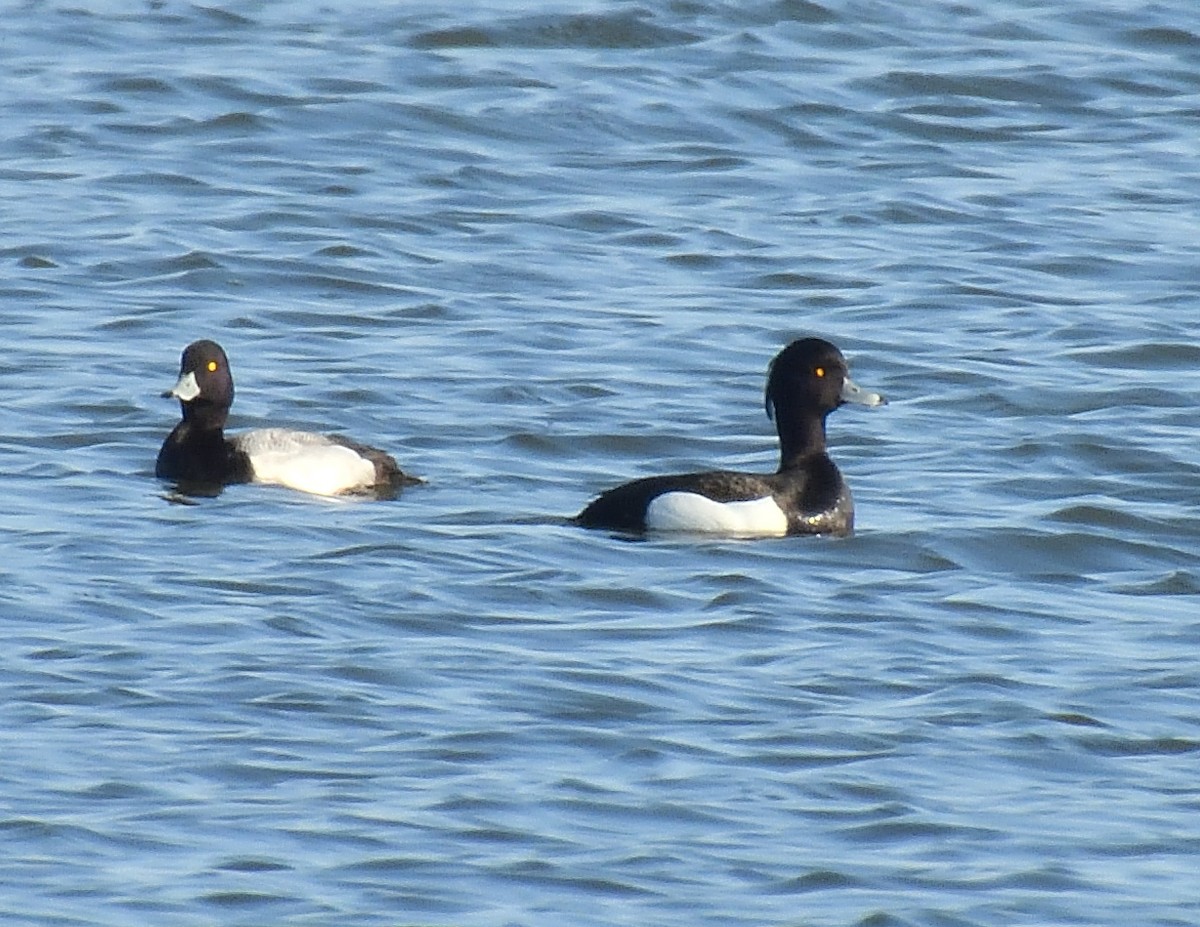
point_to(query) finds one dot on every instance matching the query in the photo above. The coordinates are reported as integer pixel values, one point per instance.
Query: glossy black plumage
(806, 381)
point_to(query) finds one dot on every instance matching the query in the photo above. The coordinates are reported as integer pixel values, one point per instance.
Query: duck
(806, 381)
(198, 453)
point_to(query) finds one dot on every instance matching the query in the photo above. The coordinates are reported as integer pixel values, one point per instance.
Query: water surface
(534, 254)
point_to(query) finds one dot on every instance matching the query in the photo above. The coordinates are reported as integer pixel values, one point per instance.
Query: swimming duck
(807, 495)
(199, 453)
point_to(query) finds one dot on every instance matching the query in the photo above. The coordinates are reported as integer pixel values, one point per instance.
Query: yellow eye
(820, 371)
(212, 366)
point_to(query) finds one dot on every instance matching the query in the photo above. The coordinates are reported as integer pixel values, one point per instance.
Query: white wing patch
(305, 461)
(689, 511)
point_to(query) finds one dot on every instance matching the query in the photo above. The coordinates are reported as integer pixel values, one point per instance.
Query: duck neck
(205, 417)
(801, 436)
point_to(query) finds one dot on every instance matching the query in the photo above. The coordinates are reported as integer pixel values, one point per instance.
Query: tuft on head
(802, 365)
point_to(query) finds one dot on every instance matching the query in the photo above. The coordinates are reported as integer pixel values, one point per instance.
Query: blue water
(534, 254)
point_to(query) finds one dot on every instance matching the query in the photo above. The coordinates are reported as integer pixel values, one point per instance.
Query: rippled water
(535, 254)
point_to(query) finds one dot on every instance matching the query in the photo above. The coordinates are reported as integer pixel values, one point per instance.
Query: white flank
(689, 511)
(305, 461)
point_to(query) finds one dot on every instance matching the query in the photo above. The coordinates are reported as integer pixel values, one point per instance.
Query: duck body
(193, 453)
(814, 500)
(806, 495)
(198, 452)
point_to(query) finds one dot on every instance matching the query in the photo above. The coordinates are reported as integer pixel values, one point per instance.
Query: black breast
(201, 456)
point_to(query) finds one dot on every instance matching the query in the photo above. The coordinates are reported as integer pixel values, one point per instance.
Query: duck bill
(186, 389)
(852, 392)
